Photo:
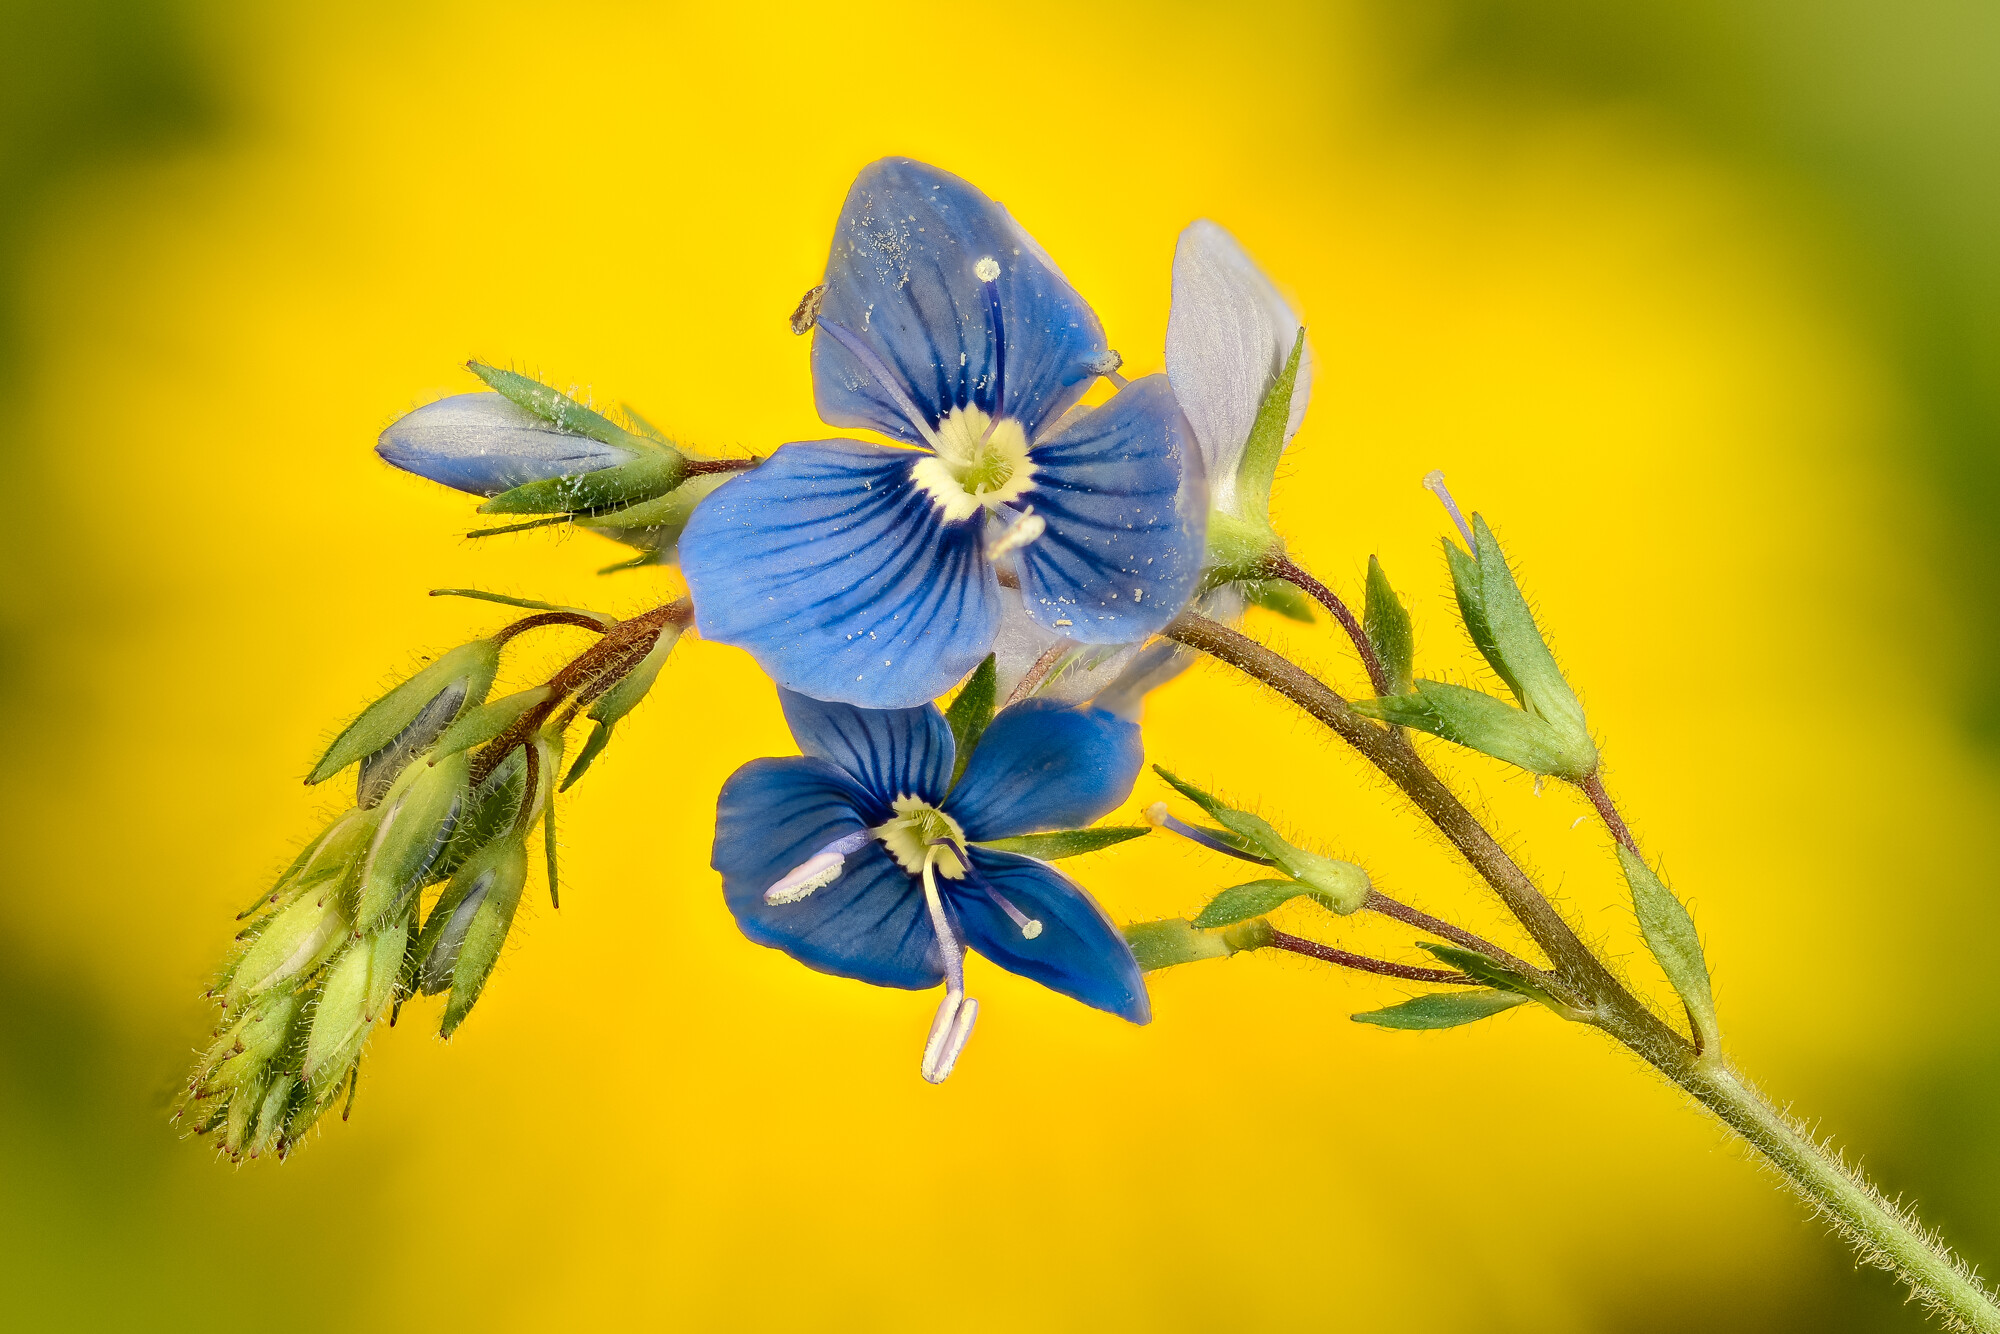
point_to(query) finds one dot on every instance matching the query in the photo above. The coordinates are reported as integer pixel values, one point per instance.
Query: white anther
(1031, 929)
(1017, 534)
(987, 269)
(955, 1013)
(817, 871)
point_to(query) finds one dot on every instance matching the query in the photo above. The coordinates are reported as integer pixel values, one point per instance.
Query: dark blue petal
(1045, 765)
(870, 924)
(890, 752)
(485, 444)
(1079, 952)
(835, 570)
(901, 278)
(1126, 520)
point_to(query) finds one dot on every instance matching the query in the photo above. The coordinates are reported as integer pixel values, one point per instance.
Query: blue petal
(870, 924)
(1126, 520)
(1045, 765)
(890, 752)
(901, 278)
(835, 570)
(485, 444)
(1079, 952)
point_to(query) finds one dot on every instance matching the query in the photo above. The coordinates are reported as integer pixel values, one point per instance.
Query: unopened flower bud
(462, 937)
(417, 822)
(460, 678)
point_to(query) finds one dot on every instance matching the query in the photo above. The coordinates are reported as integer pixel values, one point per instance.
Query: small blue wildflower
(870, 574)
(861, 858)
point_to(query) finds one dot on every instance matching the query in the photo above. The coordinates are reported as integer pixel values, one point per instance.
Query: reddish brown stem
(546, 618)
(1593, 787)
(1361, 963)
(697, 467)
(1379, 902)
(1282, 567)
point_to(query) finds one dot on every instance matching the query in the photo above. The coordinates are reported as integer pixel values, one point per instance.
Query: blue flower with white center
(862, 858)
(870, 574)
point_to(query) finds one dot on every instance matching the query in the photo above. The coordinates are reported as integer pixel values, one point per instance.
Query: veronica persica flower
(1230, 336)
(862, 858)
(869, 573)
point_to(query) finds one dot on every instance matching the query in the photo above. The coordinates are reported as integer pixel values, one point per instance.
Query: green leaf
(1441, 1009)
(469, 667)
(1478, 721)
(1267, 438)
(1067, 842)
(1388, 629)
(559, 409)
(1279, 596)
(1345, 885)
(642, 479)
(1239, 903)
(1175, 940)
(487, 721)
(1670, 935)
(971, 712)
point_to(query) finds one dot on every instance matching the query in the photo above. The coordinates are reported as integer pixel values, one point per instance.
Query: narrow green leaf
(972, 711)
(593, 746)
(1482, 969)
(1441, 1009)
(1670, 935)
(591, 492)
(557, 408)
(469, 669)
(1388, 627)
(482, 724)
(549, 850)
(1478, 721)
(1067, 842)
(1267, 438)
(1239, 903)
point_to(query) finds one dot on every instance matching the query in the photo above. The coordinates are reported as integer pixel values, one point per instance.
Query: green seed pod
(417, 822)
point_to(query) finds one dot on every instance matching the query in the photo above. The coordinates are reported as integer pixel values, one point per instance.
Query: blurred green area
(1878, 124)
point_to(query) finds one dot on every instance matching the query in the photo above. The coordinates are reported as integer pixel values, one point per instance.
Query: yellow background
(1671, 374)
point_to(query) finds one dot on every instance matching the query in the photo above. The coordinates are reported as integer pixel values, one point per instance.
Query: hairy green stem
(1880, 1232)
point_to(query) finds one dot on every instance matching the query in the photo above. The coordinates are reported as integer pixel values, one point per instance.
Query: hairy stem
(1312, 949)
(1379, 902)
(1593, 787)
(1283, 567)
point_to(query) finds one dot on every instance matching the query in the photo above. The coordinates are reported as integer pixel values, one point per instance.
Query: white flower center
(979, 464)
(909, 834)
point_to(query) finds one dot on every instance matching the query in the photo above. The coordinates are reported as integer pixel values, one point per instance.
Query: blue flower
(861, 858)
(870, 574)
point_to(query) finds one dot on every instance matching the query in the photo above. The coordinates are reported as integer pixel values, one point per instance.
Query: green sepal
(559, 409)
(646, 478)
(971, 711)
(593, 746)
(1504, 629)
(502, 868)
(624, 697)
(530, 604)
(339, 1017)
(1279, 596)
(1493, 974)
(1344, 885)
(1238, 549)
(472, 666)
(1176, 940)
(418, 818)
(489, 720)
(1267, 439)
(549, 852)
(1239, 903)
(1387, 625)
(1442, 1009)
(1066, 842)
(1670, 935)
(1478, 721)
(492, 808)
(329, 854)
(653, 526)
(295, 942)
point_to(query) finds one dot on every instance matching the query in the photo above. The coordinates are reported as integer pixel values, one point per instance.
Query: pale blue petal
(835, 570)
(1078, 952)
(1126, 520)
(901, 277)
(1045, 765)
(485, 444)
(890, 752)
(870, 924)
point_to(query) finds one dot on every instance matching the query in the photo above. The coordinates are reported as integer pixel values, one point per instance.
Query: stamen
(1017, 534)
(817, 871)
(953, 1024)
(1158, 816)
(1434, 483)
(873, 365)
(1030, 927)
(987, 271)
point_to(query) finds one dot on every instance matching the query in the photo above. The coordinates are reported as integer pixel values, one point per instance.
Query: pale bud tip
(987, 269)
